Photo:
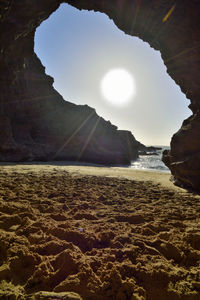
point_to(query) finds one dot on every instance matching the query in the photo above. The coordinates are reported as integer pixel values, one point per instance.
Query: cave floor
(67, 234)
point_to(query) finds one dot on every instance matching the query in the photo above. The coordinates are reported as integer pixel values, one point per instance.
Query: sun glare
(118, 87)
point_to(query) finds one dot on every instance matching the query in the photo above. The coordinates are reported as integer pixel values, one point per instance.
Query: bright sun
(118, 86)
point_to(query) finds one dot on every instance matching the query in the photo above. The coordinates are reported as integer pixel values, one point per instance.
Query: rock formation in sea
(147, 150)
(35, 122)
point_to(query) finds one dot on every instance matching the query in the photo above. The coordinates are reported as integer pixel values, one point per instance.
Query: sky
(78, 49)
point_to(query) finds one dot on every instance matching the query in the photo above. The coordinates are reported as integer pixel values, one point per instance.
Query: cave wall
(31, 108)
(36, 123)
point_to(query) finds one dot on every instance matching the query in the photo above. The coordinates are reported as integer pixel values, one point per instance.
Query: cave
(33, 115)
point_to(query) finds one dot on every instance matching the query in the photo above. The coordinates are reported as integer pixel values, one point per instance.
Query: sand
(94, 233)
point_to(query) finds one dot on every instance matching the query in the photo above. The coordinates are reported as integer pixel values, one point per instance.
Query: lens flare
(118, 87)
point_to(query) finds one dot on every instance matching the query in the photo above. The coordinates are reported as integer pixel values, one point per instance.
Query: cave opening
(78, 48)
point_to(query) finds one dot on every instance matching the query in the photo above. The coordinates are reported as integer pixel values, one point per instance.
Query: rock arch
(29, 106)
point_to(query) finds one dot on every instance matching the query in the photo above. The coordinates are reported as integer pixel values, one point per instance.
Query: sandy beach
(96, 233)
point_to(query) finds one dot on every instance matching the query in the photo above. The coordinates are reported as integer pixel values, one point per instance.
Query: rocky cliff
(35, 121)
(37, 124)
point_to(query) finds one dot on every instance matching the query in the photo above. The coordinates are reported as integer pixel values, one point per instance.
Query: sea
(151, 162)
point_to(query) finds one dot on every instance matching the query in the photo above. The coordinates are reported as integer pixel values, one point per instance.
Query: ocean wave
(151, 162)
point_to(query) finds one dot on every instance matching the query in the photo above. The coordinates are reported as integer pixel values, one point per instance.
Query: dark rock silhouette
(40, 125)
(184, 157)
(35, 122)
(147, 150)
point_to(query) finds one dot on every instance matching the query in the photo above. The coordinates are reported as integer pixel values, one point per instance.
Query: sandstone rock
(130, 144)
(184, 157)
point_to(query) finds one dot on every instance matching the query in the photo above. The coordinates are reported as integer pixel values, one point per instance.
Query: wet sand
(94, 233)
